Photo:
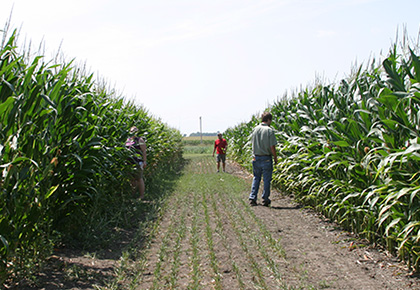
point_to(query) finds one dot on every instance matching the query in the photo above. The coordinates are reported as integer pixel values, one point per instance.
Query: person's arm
(274, 153)
(143, 150)
(214, 149)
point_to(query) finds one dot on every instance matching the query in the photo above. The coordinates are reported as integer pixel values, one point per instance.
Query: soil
(315, 253)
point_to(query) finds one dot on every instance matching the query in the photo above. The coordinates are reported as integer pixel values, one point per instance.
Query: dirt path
(210, 238)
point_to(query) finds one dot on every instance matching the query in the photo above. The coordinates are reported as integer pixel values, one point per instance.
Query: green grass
(193, 145)
(197, 149)
(209, 226)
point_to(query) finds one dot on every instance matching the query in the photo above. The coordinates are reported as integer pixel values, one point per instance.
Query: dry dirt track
(209, 238)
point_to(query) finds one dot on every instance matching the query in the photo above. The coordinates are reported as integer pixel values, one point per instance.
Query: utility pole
(201, 132)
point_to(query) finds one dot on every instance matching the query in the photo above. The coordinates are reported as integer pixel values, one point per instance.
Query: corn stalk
(351, 150)
(62, 156)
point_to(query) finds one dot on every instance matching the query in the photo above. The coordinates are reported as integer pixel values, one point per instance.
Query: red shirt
(221, 146)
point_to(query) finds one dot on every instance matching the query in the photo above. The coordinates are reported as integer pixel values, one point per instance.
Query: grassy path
(210, 238)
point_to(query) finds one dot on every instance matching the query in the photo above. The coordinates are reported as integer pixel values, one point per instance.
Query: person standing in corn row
(221, 146)
(264, 143)
(138, 159)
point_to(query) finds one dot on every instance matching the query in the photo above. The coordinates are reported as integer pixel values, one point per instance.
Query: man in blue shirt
(264, 143)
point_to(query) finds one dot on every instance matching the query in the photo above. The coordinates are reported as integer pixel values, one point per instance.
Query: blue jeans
(262, 166)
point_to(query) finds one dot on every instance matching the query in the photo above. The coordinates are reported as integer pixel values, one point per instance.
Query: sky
(218, 61)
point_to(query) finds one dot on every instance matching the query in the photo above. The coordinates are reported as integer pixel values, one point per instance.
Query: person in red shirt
(221, 145)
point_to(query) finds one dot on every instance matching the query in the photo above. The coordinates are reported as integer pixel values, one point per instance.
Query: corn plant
(63, 169)
(351, 150)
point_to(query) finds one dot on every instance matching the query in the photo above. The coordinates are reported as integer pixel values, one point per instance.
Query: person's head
(267, 118)
(220, 136)
(133, 130)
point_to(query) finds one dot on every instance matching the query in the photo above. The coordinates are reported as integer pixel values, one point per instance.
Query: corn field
(352, 150)
(62, 156)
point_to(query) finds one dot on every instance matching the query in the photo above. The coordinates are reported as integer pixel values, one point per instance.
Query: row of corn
(62, 155)
(352, 150)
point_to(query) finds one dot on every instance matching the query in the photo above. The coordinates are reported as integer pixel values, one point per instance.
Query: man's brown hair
(266, 116)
